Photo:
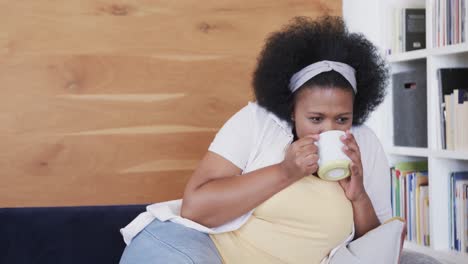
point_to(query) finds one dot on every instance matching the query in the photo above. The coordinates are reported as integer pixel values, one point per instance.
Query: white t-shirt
(255, 138)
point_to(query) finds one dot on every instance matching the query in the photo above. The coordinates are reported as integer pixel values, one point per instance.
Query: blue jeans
(167, 242)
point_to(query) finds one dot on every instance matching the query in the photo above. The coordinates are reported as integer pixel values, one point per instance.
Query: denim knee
(146, 249)
(167, 242)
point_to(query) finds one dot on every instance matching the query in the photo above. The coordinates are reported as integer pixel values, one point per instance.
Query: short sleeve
(377, 176)
(235, 140)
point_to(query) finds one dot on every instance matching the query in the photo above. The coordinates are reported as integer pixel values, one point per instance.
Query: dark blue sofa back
(65, 235)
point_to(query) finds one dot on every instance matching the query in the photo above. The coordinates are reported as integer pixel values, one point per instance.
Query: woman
(254, 197)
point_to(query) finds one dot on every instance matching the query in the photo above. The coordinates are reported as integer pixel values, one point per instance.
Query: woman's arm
(215, 194)
(365, 218)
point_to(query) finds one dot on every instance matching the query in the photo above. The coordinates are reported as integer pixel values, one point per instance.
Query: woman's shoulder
(262, 117)
(250, 110)
(365, 137)
(256, 110)
(363, 131)
(370, 147)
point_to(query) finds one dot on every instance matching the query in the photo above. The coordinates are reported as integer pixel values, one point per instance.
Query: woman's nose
(328, 126)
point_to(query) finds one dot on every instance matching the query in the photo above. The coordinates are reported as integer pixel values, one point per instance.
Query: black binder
(410, 109)
(415, 29)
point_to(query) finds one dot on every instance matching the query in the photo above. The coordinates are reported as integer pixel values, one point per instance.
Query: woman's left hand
(353, 186)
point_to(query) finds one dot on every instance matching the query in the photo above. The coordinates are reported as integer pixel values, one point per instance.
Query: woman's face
(321, 109)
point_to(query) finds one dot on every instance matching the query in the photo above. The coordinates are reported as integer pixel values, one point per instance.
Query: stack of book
(456, 120)
(453, 92)
(449, 22)
(459, 211)
(409, 30)
(410, 199)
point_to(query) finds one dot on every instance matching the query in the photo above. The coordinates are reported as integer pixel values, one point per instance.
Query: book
(461, 98)
(424, 191)
(464, 126)
(466, 217)
(459, 117)
(408, 30)
(412, 166)
(463, 215)
(396, 37)
(460, 215)
(414, 25)
(397, 193)
(421, 180)
(404, 172)
(409, 206)
(448, 22)
(403, 195)
(454, 208)
(447, 138)
(392, 189)
(455, 118)
(414, 181)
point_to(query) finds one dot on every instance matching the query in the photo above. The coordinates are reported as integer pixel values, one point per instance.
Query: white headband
(301, 77)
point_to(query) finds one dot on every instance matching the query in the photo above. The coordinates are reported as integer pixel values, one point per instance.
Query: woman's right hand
(301, 158)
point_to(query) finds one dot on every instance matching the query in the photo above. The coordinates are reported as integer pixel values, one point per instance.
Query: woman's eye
(315, 119)
(342, 120)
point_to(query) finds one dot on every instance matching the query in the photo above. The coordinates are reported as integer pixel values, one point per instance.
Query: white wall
(373, 18)
(365, 16)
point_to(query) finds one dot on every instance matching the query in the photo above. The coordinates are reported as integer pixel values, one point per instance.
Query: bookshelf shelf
(408, 151)
(425, 53)
(424, 152)
(447, 50)
(407, 56)
(447, 256)
(449, 154)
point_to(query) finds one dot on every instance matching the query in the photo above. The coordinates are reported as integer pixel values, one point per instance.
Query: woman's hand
(301, 158)
(353, 186)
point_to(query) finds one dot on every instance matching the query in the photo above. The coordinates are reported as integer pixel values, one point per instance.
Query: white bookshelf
(424, 53)
(441, 162)
(408, 151)
(445, 256)
(447, 154)
(407, 56)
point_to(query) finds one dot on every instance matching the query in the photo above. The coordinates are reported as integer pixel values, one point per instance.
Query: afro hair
(305, 41)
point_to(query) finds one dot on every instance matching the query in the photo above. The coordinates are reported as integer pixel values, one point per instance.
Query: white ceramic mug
(333, 162)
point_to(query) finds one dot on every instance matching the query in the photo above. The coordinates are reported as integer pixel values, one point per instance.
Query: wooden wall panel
(115, 102)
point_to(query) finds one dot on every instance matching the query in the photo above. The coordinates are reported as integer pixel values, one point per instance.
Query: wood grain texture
(115, 102)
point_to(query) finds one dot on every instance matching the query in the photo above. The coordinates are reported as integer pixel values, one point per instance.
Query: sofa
(81, 234)
(64, 235)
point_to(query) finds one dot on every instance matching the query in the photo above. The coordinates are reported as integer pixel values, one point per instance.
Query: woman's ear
(292, 109)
